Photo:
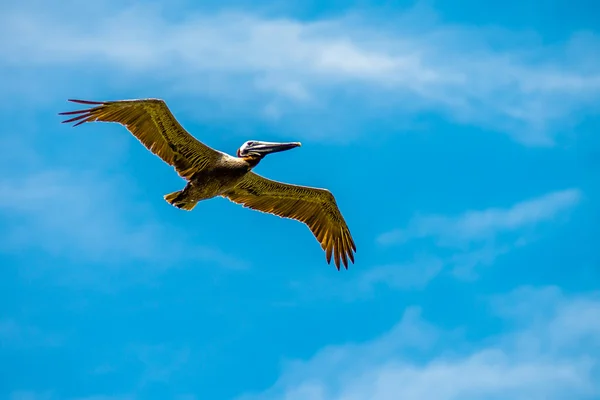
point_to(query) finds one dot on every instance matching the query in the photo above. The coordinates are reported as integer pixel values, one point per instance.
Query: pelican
(210, 173)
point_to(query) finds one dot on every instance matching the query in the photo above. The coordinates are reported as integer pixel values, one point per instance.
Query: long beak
(265, 148)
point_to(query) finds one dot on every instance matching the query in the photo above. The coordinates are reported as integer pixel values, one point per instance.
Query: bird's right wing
(314, 207)
(153, 124)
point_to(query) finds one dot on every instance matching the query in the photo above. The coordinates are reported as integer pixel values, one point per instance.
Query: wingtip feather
(85, 101)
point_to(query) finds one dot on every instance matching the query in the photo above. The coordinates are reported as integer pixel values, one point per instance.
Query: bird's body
(217, 180)
(210, 173)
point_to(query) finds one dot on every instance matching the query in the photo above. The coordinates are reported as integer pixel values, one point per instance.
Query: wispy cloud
(465, 264)
(265, 66)
(543, 355)
(482, 225)
(460, 245)
(478, 237)
(367, 282)
(16, 334)
(80, 216)
(160, 362)
(413, 275)
(152, 365)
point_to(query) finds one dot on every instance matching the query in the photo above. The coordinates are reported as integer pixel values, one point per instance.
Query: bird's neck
(251, 161)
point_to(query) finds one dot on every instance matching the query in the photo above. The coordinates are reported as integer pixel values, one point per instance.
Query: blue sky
(459, 138)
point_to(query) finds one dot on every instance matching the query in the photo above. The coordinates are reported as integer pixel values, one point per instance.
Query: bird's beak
(264, 148)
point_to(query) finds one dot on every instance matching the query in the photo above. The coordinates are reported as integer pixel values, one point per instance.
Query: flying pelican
(210, 173)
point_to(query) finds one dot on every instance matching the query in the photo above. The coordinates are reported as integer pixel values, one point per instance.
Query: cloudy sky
(459, 138)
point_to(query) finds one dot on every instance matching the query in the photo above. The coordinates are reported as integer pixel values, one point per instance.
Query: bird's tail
(177, 199)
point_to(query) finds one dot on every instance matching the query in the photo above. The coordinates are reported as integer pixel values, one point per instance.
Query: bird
(210, 173)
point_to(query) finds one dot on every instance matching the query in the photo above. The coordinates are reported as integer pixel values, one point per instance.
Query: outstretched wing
(153, 124)
(314, 207)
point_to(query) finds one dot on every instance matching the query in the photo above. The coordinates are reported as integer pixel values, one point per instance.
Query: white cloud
(268, 66)
(482, 225)
(477, 237)
(543, 354)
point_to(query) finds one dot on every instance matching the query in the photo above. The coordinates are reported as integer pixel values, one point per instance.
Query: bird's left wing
(314, 207)
(153, 124)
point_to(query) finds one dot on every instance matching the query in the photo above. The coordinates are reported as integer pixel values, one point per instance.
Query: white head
(257, 149)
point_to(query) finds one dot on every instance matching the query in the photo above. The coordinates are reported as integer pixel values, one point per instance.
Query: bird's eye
(250, 143)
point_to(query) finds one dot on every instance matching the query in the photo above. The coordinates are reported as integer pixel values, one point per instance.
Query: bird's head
(256, 150)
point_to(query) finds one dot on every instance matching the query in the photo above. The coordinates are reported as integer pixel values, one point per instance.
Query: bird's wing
(153, 124)
(314, 207)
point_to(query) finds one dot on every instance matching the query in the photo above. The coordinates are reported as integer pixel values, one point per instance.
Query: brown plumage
(212, 173)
